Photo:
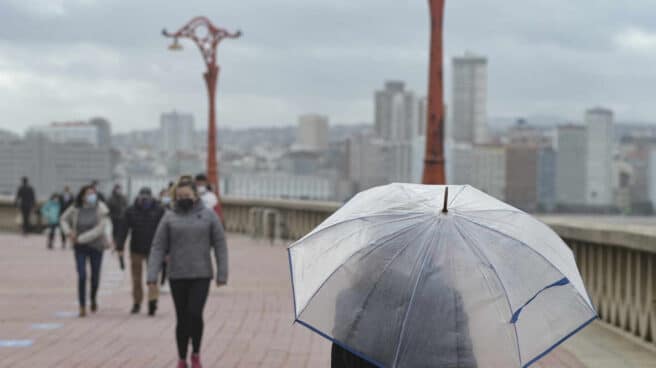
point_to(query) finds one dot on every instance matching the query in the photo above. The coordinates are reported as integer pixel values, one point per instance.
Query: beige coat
(68, 223)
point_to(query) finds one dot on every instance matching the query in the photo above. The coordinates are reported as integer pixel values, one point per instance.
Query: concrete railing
(617, 261)
(618, 266)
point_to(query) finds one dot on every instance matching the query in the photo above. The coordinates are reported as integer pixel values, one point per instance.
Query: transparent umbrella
(406, 275)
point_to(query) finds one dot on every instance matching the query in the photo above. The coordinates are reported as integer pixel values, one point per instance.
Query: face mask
(146, 202)
(185, 204)
(91, 198)
(202, 189)
(166, 200)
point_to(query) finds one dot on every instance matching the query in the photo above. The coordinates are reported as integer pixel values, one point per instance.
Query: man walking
(25, 200)
(141, 220)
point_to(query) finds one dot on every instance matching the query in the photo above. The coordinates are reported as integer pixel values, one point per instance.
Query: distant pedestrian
(188, 234)
(117, 204)
(51, 212)
(207, 195)
(25, 200)
(165, 199)
(86, 224)
(141, 220)
(96, 186)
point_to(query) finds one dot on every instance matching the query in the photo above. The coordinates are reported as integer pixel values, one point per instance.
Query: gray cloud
(71, 59)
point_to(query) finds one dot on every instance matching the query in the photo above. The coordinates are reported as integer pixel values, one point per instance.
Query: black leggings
(189, 297)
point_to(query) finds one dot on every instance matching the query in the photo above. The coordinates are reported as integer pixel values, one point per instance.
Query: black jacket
(142, 223)
(25, 198)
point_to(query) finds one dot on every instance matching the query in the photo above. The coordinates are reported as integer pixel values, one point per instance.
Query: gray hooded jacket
(188, 238)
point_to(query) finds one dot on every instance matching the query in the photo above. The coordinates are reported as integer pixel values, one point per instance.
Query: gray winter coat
(188, 238)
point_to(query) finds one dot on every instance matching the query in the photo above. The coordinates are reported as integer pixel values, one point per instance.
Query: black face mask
(185, 204)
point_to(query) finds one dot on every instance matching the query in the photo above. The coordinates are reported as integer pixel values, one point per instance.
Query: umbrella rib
(336, 242)
(505, 291)
(462, 189)
(385, 269)
(341, 265)
(412, 297)
(313, 233)
(529, 247)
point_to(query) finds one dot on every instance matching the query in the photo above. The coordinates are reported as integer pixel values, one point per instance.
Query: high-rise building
(177, 132)
(522, 164)
(546, 179)
(469, 117)
(103, 131)
(481, 166)
(571, 165)
(396, 113)
(367, 166)
(313, 132)
(599, 154)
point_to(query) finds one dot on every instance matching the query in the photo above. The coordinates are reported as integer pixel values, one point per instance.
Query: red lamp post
(207, 37)
(434, 159)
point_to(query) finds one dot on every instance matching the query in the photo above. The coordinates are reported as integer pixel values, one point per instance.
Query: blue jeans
(82, 252)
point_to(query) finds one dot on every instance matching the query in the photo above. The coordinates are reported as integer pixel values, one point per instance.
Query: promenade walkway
(248, 323)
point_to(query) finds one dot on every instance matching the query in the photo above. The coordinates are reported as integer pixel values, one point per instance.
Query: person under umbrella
(405, 275)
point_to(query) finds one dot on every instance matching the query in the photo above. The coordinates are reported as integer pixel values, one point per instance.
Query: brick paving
(247, 324)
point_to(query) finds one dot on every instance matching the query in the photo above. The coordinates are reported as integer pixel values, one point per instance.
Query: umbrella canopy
(393, 278)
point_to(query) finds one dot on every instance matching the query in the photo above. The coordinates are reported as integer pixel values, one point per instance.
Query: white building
(396, 113)
(280, 186)
(177, 132)
(68, 132)
(599, 124)
(481, 166)
(469, 106)
(313, 132)
(51, 166)
(366, 161)
(571, 165)
(400, 121)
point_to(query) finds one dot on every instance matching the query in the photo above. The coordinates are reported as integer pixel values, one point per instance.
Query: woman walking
(187, 234)
(86, 224)
(50, 211)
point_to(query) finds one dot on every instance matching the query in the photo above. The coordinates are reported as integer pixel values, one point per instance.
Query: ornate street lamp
(207, 37)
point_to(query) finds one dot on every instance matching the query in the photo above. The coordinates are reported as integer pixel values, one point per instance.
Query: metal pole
(434, 159)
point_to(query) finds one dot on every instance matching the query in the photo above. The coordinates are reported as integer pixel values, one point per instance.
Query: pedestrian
(51, 212)
(66, 199)
(117, 205)
(188, 233)
(99, 193)
(207, 195)
(141, 220)
(86, 223)
(165, 199)
(25, 200)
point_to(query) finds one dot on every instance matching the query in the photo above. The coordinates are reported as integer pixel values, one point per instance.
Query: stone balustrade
(616, 256)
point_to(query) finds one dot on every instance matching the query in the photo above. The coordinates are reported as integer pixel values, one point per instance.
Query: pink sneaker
(195, 361)
(182, 364)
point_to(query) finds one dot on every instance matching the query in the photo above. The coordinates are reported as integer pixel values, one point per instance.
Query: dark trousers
(26, 211)
(189, 297)
(51, 235)
(82, 253)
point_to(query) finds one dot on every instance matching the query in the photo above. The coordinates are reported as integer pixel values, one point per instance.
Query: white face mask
(202, 190)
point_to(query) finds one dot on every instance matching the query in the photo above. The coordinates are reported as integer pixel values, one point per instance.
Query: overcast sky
(73, 59)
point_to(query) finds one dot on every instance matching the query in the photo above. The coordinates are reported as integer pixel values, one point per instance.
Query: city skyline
(73, 61)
